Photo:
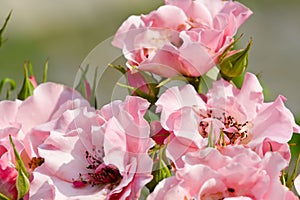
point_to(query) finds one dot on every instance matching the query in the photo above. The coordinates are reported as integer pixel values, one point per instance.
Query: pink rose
(233, 172)
(182, 37)
(21, 120)
(96, 156)
(229, 116)
(67, 158)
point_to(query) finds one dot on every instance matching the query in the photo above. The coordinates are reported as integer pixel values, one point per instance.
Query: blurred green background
(66, 31)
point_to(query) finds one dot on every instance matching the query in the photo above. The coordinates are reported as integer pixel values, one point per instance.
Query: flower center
(236, 132)
(229, 130)
(99, 174)
(35, 162)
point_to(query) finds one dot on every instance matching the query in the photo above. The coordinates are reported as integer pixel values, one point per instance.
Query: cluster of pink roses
(73, 151)
(226, 143)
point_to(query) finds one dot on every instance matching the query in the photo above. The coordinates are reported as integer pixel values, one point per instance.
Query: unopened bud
(145, 85)
(234, 65)
(28, 83)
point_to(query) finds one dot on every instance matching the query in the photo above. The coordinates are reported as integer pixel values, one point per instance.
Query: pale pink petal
(41, 187)
(212, 39)
(174, 99)
(268, 146)
(205, 156)
(178, 147)
(164, 190)
(290, 196)
(198, 58)
(62, 153)
(251, 95)
(204, 183)
(220, 94)
(110, 110)
(131, 23)
(277, 123)
(238, 15)
(165, 16)
(70, 119)
(274, 165)
(136, 107)
(42, 105)
(164, 62)
(194, 9)
(49, 187)
(115, 142)
(9, 110)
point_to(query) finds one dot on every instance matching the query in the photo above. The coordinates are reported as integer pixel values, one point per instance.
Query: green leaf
(221, 140)
(80, 87)
(211, 138)
(93, 99)
(291, 179)
(119, 68)
(3, 197)
(23, 184)
(3, 27)
(45, 72)
(27, 88)
(163, 171)
(295, 145)
(11, 86)
(83, 86)
(293, 168)
(19, 162)
(126, 86)
(174, 78)
(160, 170)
